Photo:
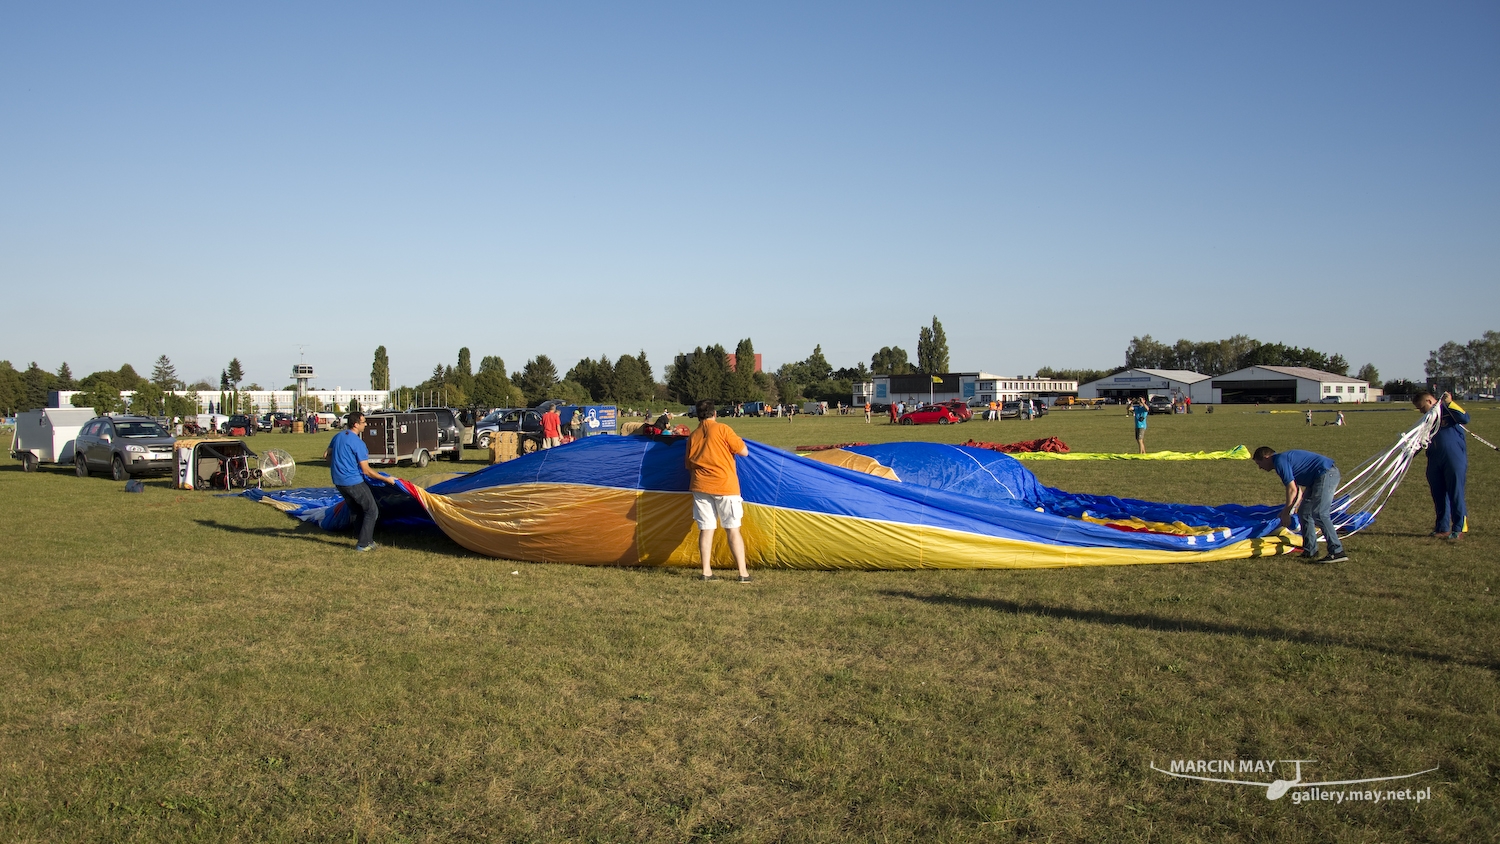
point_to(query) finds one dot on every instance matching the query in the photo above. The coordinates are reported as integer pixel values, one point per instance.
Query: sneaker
(1334, 558)
(745, 579)
(363, 548)
(1456, 536)
(707, 577)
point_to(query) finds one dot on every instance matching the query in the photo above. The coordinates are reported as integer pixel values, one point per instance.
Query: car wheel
(28, 462)
(906, 421)
(484, 440)
(421, 460)
(942, 421)
(81, 466)
(118, 470)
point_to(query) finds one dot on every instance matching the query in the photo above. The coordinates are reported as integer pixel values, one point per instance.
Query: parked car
(240, 421)
(933, 414)
(123, 445)
(274, 421)
(960, 409)
(1333, 400)
(524, 421)
(1158, 404)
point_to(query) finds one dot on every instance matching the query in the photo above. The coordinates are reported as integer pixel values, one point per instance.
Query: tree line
(28, 389)
(627, 379)
(1462, 367)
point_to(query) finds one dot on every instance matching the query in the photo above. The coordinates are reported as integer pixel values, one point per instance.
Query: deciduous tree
(932, 348)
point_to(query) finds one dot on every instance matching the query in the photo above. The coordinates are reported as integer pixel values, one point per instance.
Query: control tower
(303, 372)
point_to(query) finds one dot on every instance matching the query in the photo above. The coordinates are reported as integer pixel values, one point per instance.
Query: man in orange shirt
(867, 413)
(551, 428)
(715, 485)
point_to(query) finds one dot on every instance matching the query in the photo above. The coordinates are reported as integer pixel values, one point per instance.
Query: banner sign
(600, 419)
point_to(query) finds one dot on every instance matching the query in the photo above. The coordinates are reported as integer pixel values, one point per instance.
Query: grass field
(184, 667)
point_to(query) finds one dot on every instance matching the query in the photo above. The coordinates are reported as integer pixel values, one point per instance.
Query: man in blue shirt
(1311, 480)
(1447, 464)
(350, 463)
(1139, 410)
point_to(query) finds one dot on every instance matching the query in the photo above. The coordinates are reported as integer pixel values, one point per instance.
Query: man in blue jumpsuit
(1311, 480)
(1447, 464)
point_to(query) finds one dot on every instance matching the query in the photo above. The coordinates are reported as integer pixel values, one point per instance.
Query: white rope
(1372, 482)
(1481, 439)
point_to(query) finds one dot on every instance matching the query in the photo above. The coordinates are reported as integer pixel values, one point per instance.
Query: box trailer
(401, 438)
(46, 435)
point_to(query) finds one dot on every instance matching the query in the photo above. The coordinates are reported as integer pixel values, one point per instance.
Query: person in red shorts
(715, 485)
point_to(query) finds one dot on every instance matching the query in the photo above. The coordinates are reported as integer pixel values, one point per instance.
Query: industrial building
(1289, 385)
(1144, 383)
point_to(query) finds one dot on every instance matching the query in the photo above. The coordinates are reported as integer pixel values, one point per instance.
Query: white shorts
(711, 510)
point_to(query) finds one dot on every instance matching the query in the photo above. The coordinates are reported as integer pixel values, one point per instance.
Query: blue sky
(210, 181)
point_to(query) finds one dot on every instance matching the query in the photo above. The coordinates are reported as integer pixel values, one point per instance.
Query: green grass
(183, 667)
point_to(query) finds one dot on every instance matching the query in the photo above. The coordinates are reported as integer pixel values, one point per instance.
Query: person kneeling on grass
(1311, 480)
(715, 485)
(349, 460)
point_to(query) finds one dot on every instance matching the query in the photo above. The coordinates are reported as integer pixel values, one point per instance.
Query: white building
(1144, 383)
(263, 401)
(1288, 385)
(980, 387)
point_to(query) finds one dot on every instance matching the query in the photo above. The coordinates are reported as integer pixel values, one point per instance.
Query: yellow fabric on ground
(850, 460)
(1239, 452)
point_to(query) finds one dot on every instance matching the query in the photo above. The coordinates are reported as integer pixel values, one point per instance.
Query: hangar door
(1280, 391)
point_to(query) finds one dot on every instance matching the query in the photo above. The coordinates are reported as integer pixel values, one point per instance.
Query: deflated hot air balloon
(625, 501)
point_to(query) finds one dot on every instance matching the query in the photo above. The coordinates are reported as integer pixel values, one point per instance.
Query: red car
(932, 414)
(960, 409)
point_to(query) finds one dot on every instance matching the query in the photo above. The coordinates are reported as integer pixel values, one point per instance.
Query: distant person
(1187, 402)
(1309, 418)
(1139, 412)
(994, 411)
(551, 428)
(312, 423)
(1447, 464)
(715, 484)
(1311, 480)
(349, 462)
(894, 414)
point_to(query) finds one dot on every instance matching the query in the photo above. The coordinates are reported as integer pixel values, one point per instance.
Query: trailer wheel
(81, 466)
(420, 461)
(28, 462)
(117, 470)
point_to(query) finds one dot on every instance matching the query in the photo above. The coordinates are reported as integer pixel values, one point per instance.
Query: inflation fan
(277, 468)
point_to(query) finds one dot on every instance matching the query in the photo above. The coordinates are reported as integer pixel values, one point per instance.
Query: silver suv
(124, 445)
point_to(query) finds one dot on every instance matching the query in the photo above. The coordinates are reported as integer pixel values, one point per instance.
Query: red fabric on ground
(1051, 444)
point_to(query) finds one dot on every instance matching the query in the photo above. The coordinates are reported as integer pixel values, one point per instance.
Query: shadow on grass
(432, 541)
(301, 530)
(1164, 624)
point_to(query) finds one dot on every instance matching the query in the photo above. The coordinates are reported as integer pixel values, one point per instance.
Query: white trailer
(46, 435)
